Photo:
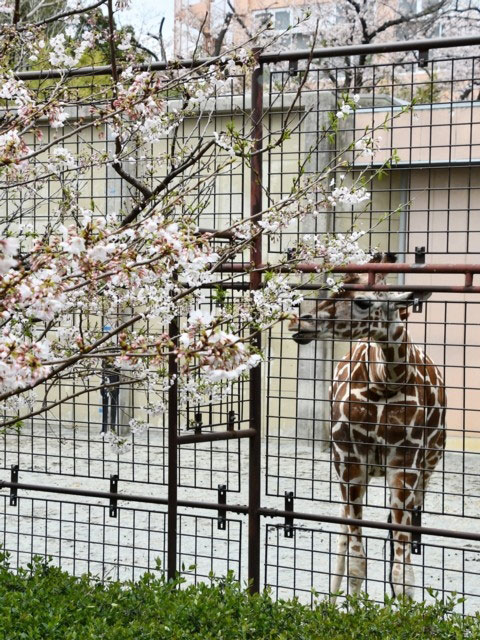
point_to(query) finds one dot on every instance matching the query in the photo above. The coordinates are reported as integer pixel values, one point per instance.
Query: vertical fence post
(172, 460)
(255, 476)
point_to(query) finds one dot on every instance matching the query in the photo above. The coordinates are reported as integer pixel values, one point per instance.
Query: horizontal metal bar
(216, 435)
(370, 524)
(368, 49)
(426, 164)
(440, 288)
(369, 267)
(406, 287)
(394, 267)
(468, 270)
(235, 286)
(237, 508)
(107, 495)
(326, 52)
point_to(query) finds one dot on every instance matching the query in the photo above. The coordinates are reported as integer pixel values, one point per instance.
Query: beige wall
(440, 200)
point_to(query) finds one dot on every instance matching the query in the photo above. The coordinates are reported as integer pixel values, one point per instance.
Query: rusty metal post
(255, 475)
(172, 460)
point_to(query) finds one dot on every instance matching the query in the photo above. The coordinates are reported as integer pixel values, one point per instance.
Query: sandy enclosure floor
(79, 534)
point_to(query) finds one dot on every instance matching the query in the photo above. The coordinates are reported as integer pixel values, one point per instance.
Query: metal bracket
(417, 305)
(113, 501)
(419, 259)
(293, 67)
(231, 421)
(13, 490)
(417, 537)
(198, 423)
(289, 530)
(222, 499)
(420, 255)
(423, 58)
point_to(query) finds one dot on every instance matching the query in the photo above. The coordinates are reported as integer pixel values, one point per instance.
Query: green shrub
(45, 603)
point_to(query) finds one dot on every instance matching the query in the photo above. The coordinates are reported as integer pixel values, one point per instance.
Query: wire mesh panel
(84, 538)
(422, 179)
(305, 565)
(205, 550)
(70, 439)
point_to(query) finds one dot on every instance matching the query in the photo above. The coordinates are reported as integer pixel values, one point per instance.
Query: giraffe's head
(352, 315)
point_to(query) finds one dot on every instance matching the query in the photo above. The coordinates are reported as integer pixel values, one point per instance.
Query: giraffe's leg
(427, 467)
(337, 577)
(403, 498)
(350, 546)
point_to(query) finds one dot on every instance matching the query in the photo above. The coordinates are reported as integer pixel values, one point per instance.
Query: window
(280, 19)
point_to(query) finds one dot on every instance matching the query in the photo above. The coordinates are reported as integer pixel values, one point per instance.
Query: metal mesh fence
(423, 207)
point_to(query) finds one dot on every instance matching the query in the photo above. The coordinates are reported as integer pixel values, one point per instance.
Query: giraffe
(387, 415)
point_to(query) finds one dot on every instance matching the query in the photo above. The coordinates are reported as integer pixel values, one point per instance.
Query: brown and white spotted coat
(388, 413)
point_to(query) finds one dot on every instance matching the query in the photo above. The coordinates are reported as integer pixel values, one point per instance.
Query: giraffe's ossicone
(387, 414)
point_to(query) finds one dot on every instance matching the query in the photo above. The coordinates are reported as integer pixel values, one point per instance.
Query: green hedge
(45, 603)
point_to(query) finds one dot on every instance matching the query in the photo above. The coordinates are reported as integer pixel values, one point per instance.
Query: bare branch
(221, 36)
(407, 18)
(52, 405)
(59, 16)
(159, 39)
(16, 13)
(200, 32)
(239, 19)
(142, 47)
(165, 182)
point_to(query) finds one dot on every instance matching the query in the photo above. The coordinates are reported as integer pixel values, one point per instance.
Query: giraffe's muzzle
(302, 337)
(304, 333)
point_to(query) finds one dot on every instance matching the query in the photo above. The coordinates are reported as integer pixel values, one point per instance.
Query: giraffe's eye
(362, 303)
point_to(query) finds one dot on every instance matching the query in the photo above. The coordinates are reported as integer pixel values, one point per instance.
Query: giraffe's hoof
(404, 590)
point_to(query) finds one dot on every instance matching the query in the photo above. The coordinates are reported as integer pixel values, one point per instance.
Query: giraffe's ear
(385, 258)
(412, 297)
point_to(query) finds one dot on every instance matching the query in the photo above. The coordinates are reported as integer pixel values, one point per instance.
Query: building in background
(210, 26)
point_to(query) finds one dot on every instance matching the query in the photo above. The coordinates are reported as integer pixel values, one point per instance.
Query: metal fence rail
(175, 498)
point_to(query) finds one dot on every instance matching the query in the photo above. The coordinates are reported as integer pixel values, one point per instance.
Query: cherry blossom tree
(352, 22)
(88, 289)
(331, 23)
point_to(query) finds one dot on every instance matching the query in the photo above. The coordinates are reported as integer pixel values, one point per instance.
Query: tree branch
(221, 36)
(164, 184)
(118, 144)
(405, 19)
(138, 45)
(52, 405)
(16, 13)
(239, 19)
(361, 19)
(159, 38)
(59, 16)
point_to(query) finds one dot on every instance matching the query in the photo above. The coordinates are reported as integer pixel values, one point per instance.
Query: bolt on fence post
(255, 387)
(172, 459)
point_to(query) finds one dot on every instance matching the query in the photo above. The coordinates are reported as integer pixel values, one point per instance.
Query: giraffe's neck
(391, 357)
